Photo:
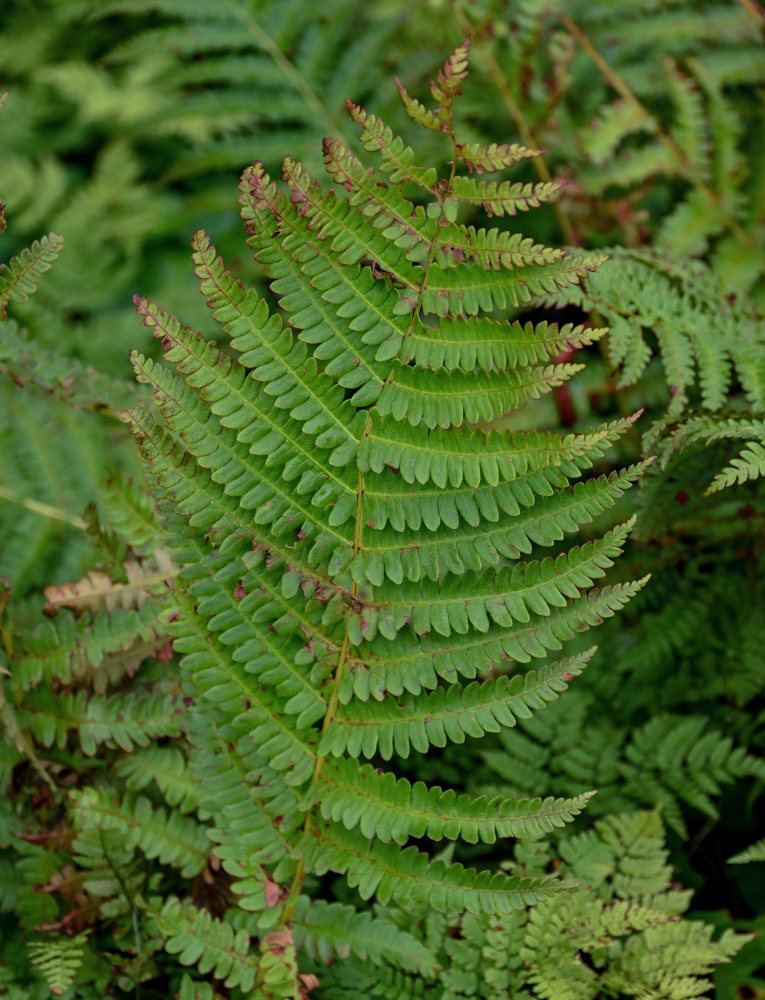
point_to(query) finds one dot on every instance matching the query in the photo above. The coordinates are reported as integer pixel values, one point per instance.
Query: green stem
(288, 68)
(44, 509)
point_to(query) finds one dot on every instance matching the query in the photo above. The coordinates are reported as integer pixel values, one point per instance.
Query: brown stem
(755, 10)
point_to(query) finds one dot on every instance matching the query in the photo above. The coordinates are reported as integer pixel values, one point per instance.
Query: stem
(666, 140)
(755, 10)
(358, 532)
(45, 509)
(287, 67)
(299, 877)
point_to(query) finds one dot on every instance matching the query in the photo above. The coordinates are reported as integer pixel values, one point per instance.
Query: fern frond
(97, 591)
(79, 385)
(325, 930)
(100, 648)
(446, 714)
(750, 464)
(492, 157)
(350, 544)
(108, 869)
(170, 838)
(410, 664)
(410, 876)
(18, 278)
(123, 721)
(756, 852)
(499, 198)
(394, 810)
(128, 511)
(209, 944)
(58, 960)
(505, 597)
(166, 766)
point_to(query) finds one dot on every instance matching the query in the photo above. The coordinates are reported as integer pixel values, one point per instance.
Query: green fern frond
(678, 763)
(123, 721)
(411, 664)
(394, 810)
(108, 871)
(388, 873)
(79, 385)
(58, 960)
(348, 541)
(18, 278)
(446, 714)
(100, 648)
(701, 335)
(126, 510)
(170, 838)
(620, 931)
(750, 464)
(756, 852)
(327, 930)
(166, 766)
(209, 944)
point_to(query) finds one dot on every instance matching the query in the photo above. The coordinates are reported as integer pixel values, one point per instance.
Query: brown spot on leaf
(272, 894)
(165, 652)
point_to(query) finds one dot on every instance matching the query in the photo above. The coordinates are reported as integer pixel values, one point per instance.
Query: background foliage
(124, 131)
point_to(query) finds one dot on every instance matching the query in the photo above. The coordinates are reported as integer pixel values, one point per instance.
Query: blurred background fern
(125, 129)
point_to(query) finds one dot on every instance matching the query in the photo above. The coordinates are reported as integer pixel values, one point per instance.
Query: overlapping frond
(169, 837)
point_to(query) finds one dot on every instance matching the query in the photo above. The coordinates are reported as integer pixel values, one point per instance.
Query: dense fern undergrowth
(400, 633)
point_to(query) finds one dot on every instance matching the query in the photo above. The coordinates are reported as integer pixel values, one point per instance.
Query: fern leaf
(506, 597)
(750, 464)
(128, 511)
(18, 279)
(397, 159)
(447, 715)
(325, 930)
(499, 198)
(211, 945)
(756, 852)
(394, 810)
(58, 960)
(350, 546)
(79, 385)
(170, 838)
(690, 127)
(492, 458)
(405, 664)
(488, 290)
(100, 648)
(166, 766)
(410, 876)
(98, 591)
(492, 157)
